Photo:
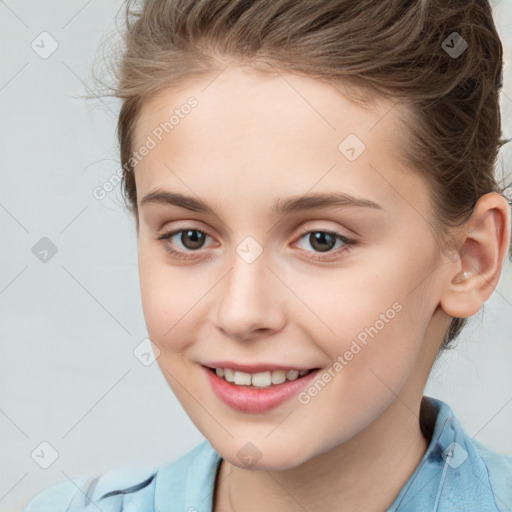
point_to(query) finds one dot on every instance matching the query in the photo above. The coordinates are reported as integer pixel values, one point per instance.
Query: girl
(317, 215)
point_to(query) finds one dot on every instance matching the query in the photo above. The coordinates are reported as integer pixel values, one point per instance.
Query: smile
(259, 380)
(260, 391)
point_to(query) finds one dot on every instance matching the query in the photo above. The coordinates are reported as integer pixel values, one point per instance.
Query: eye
(325, 241)
(191, 239)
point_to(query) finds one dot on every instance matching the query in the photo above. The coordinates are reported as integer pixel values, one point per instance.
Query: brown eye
(325, 241)
(191, 241)
(321, 240)
(192, 238)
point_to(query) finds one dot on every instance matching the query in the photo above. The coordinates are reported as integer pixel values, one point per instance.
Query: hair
(391, 49)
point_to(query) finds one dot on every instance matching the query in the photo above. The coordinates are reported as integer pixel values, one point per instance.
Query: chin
(270, 463)
(267, 457)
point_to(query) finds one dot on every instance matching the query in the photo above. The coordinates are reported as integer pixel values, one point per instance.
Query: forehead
(266, 134)
(245, 98)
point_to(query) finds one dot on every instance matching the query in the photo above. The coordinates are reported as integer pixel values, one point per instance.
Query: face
(261, 284)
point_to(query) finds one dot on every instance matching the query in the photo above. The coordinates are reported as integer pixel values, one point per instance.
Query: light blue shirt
(456, 474)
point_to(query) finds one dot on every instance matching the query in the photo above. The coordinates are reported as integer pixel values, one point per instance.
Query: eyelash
(186, 256)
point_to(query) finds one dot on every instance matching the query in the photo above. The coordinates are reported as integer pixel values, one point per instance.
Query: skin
(253, 139)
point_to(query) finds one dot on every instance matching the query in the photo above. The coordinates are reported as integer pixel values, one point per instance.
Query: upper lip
(254, 367)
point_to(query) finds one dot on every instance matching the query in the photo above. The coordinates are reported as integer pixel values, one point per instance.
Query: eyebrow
(289, 205)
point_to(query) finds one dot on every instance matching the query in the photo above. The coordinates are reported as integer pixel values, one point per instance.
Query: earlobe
(483, 240)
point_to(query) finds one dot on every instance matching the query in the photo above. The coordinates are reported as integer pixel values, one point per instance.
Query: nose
(249, 300)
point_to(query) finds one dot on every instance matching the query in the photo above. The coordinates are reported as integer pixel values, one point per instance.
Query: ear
(483, 243)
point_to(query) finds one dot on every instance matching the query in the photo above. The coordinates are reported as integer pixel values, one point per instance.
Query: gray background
(70, 325)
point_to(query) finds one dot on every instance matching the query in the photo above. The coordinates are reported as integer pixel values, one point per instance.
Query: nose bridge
(247, 278)
(247, 299)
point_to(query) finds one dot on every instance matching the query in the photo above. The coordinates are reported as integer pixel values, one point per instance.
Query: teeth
(261, 379)
(292, 375)
(278, 377)
(242, 379)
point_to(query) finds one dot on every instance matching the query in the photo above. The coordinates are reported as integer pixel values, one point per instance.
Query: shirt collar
(451, 475)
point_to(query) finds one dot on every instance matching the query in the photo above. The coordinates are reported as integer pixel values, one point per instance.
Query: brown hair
(412, 51)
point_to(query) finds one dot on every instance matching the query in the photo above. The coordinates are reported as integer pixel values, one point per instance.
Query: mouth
(258, 392)
(260, 380)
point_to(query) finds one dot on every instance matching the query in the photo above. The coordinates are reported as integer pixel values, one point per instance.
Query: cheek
(343, 304)
(165, 298)
(166, 301)
(372, 319)
(175, 300)
(373, 354)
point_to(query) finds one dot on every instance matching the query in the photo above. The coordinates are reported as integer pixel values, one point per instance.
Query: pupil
(318, 241)
(196, 241)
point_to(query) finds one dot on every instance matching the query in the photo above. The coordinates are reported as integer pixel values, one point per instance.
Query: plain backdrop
(70, 324)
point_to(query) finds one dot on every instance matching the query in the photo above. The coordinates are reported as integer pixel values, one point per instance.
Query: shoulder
(81, 494)
(57, 497)
(127, 489)
(499, 469)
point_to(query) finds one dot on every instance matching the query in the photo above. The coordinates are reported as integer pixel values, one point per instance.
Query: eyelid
(331, 255)
(322, 225)
(333, 232)
(180, 254)
(171, 233)
(306, 228)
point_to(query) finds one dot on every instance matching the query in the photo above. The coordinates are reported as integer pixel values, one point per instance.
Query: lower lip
(256, 400)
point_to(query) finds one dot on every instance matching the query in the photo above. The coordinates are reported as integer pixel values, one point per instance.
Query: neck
(353, 476)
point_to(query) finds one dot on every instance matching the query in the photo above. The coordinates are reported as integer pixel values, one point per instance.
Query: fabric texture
(456, 473)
